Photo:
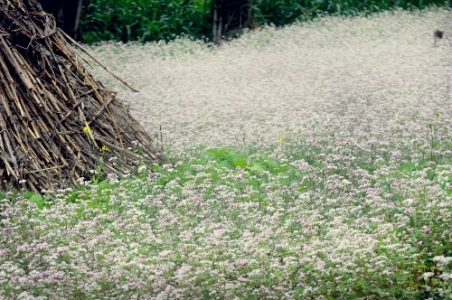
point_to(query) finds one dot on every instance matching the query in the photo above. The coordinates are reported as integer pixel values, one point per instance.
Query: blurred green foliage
(153, 20)
(143, 20)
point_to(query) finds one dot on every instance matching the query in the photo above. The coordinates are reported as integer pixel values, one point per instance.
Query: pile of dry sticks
(56, 121)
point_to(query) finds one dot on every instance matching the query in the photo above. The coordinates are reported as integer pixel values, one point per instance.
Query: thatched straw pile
(56, 121)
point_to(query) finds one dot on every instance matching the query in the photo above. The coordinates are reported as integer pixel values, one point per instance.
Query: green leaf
(258, 167)
(238, 160)
(372, 225)
(227, 164)
(37, 199)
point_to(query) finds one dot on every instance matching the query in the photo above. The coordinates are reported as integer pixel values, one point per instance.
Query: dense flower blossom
(352, 195)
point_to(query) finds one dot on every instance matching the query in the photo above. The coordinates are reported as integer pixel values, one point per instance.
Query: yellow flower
(87, 130)
(281, 138)
(104, 149)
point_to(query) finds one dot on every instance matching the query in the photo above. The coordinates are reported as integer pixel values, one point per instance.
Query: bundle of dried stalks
(56, 121)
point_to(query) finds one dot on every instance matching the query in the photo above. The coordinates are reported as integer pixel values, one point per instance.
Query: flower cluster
(347, 196)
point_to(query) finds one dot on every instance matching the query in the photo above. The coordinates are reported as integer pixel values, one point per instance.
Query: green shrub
(153, 20)
(143, 20)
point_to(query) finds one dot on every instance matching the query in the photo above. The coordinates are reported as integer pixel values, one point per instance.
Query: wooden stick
(46, 169)
(47, 97)
(102, 109)
(98, 62)
(119, 149)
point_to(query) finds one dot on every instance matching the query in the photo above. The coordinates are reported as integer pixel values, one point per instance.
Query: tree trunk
(66, 13)
(230, 17)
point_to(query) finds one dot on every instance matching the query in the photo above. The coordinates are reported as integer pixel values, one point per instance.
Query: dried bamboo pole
(98, 62)
(47, 98)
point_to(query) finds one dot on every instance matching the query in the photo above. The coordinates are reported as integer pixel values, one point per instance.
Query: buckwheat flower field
(309, 162)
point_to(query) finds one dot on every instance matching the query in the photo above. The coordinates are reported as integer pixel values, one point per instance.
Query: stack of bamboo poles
(56, 121)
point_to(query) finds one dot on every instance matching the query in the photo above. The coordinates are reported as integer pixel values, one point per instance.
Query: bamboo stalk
(46, 169)
(98, 62)
(96, 92)
(5, 104)
(46, 99)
